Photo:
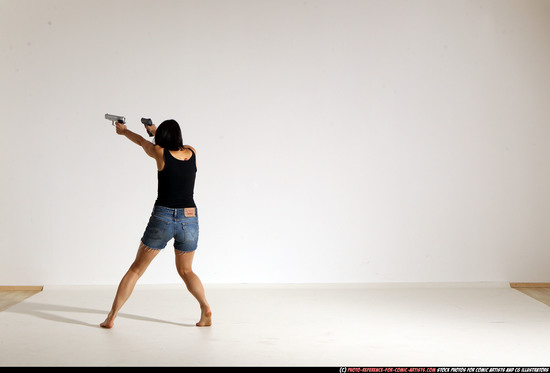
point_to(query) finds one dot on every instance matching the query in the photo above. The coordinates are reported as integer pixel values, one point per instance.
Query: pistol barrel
(115, 118)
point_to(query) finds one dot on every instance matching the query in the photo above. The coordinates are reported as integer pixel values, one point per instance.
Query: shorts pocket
(187, 236)
(158, 232)
(161, 217)
(191, 231)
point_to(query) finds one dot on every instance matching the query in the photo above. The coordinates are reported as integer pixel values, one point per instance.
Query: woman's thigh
(144, 257)
(184, 261)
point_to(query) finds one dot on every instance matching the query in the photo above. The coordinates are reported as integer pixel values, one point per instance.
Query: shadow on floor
(52, 312)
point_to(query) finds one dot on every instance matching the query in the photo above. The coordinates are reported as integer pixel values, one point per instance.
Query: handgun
(147, 122)
(115, 118)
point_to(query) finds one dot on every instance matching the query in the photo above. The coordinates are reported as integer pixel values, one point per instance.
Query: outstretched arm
(148, 146)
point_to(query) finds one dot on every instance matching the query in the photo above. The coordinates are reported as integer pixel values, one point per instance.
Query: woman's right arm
(151, 149)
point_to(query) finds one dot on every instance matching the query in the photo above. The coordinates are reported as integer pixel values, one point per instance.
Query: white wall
(338, 141)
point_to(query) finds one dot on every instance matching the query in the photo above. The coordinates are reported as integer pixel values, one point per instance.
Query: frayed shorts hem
(182, 251)
(144, 245)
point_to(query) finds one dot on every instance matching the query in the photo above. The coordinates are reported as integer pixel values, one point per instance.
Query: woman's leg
(144, 257)
(184, 261)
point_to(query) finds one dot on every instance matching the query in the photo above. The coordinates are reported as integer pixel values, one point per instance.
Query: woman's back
(182, 155)
(176, 180)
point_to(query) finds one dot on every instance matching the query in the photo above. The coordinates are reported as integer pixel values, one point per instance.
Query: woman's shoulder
(159, 150)
(189, 147)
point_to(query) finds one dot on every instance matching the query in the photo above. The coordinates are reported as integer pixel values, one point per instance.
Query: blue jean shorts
(166, 223)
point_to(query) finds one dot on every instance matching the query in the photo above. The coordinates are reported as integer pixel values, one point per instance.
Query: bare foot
(206, 317)
(108, 323)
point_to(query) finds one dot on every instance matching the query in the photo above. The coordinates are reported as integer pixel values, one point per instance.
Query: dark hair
(168, 135)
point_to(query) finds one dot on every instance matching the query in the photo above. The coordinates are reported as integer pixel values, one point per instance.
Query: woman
(174, 215)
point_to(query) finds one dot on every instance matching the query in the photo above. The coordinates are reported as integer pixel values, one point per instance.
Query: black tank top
(176, 182)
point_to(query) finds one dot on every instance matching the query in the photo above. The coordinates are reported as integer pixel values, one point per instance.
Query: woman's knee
(138, 268)
(184, 271)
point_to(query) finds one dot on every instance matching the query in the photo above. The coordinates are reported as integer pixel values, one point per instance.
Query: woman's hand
(120, 128)
(152, 128)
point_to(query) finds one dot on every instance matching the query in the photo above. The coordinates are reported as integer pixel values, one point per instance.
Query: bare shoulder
(158, 152)
(190, 147)
(152, 150)
(193, 150)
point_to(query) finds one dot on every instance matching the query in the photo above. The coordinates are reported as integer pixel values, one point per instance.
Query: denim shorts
(167, 223)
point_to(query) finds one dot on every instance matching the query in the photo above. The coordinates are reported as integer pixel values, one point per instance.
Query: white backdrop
(338, 140)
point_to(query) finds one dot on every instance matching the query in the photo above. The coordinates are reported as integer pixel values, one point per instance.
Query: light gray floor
(280, 325)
